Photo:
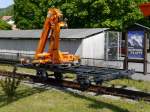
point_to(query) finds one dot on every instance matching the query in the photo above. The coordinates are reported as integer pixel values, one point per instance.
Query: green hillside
(7, 11)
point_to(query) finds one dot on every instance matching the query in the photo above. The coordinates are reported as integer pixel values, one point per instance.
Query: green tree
(4, 25)
(115, 14)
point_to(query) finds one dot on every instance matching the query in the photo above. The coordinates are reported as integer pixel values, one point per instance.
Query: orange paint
(52, 27)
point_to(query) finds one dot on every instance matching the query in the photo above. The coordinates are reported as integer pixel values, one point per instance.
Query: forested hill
(7, 11)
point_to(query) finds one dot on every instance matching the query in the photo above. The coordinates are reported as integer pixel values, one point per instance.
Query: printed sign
(135, 44)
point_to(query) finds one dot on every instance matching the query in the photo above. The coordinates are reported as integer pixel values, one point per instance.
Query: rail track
(135, 95)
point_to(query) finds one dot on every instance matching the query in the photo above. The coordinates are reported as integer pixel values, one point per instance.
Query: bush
(4, 25)
(9, 85)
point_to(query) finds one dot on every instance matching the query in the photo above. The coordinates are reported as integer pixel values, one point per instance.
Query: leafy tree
(4, 25)
(115, 14)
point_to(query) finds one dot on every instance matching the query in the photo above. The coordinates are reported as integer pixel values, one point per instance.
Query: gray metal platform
(85, 73)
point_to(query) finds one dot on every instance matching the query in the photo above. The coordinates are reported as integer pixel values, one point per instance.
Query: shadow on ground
(96, 104)
(21, 93)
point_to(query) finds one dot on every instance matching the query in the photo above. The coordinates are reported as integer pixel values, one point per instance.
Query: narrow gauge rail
(136, 95)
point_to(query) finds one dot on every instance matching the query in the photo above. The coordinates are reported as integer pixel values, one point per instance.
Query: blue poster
(135, 44)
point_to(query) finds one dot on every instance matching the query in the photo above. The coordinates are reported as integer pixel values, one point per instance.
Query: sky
(5, 3)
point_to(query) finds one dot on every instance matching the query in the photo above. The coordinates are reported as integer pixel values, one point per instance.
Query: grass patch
(7, 67)
(30, 99)
(69, 76)
(141, 85)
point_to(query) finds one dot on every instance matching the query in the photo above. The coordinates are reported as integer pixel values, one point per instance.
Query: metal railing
(102, 62)
(8, 57)
(14, 56)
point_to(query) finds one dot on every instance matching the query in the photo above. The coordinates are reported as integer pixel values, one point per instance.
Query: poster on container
(135, 44)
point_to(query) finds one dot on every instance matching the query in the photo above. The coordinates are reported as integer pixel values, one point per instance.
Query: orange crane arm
(43, 38)
(52, 26)
(53, 55)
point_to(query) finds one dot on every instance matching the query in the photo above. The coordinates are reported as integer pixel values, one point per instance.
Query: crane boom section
(49, 26)
(43, 39)
(52, 27)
